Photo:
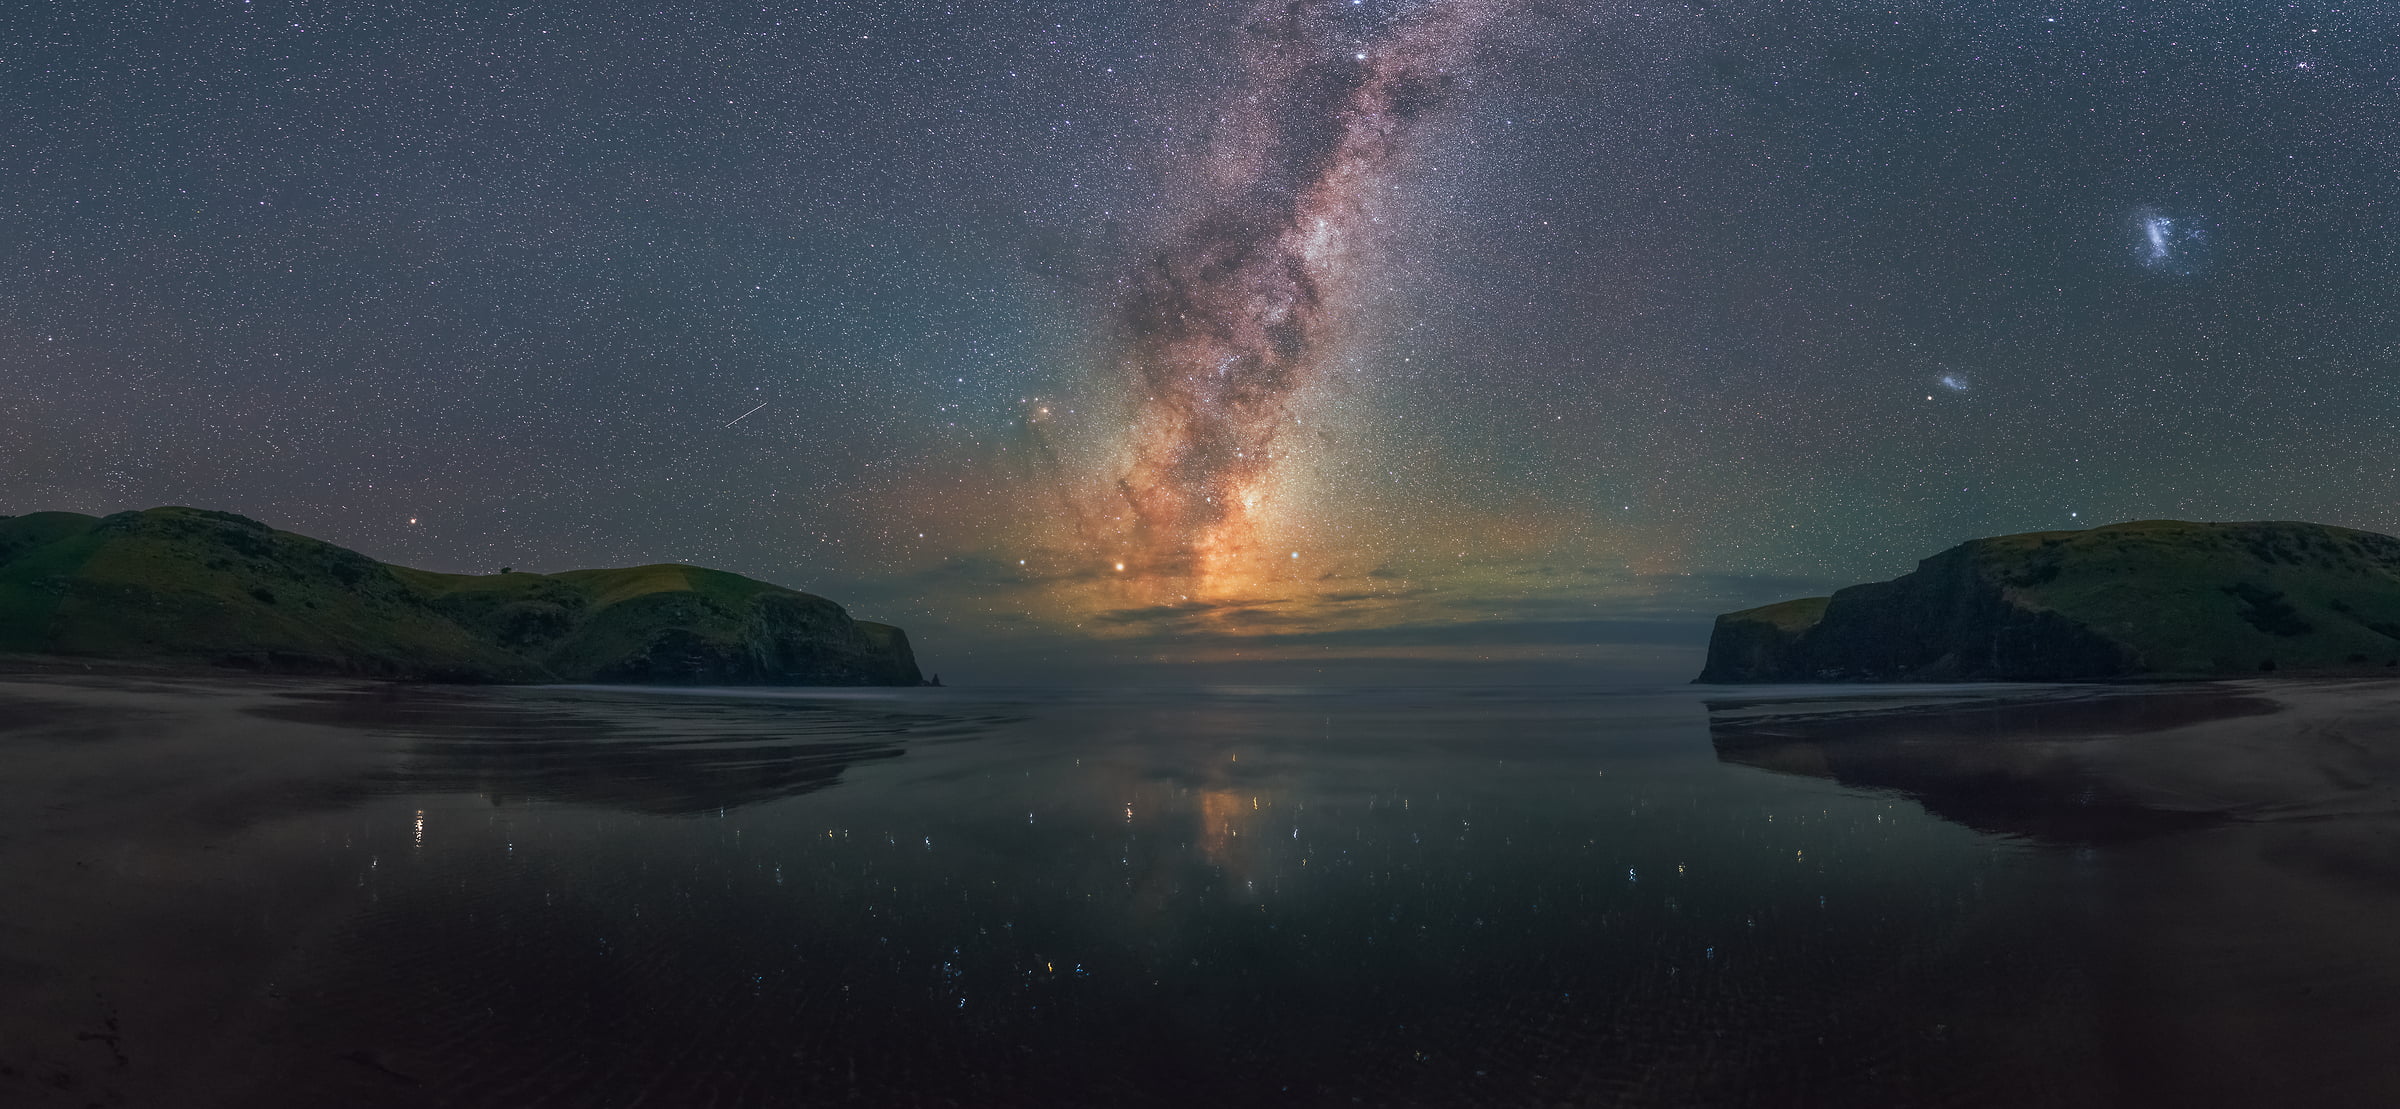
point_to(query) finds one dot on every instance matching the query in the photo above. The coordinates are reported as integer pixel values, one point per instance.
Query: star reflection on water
(641, 752)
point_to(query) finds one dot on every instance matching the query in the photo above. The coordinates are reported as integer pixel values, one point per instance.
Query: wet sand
(2252, 752)
(131, 945)
(167, 916)
(158, 899)
(2244, 839)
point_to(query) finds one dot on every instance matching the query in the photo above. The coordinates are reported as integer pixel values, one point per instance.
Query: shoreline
(2250, 750)
(160, 895)
(2245, 866)
(126, 923)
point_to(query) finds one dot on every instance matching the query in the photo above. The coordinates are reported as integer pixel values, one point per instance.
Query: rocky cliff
(2154, 599)
(186, 585)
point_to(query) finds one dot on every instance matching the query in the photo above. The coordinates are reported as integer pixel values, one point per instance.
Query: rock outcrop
(2154, 599)
(187, 585)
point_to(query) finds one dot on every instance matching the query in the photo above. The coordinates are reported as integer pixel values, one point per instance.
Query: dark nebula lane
(1387, 335)
(1235, 316)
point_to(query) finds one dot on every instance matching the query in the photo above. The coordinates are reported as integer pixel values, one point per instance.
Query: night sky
(1393, 334)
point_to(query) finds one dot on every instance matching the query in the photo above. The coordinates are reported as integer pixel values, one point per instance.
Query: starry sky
(1394, 337)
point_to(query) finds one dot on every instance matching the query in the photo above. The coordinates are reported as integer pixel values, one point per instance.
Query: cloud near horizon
(1573, 614)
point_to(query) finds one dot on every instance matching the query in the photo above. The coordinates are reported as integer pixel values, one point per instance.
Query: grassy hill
(188, 585)
(2153, 599)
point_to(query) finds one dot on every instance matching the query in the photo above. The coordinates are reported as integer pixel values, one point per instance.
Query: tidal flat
(219, 890)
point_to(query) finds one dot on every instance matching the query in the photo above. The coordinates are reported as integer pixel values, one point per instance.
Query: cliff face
(1753, 643)
(2156, 599)
(184, 585)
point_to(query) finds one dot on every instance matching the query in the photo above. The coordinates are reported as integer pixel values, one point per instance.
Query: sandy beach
(2244, 845)
(159, 891)
(165, 894)
(135, 943)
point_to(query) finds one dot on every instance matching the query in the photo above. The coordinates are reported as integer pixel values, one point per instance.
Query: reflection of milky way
(1231, 319)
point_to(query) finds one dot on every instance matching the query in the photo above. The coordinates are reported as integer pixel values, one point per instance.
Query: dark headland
(2155, 599)
(189, 586)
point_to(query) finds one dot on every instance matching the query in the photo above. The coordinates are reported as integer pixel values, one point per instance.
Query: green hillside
(2155, 599)
(188, 585)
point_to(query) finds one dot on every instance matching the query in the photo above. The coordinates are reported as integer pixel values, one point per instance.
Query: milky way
(1543, 311)
(1237, 314)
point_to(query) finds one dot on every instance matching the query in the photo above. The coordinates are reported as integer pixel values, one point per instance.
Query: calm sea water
(1229, 896)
